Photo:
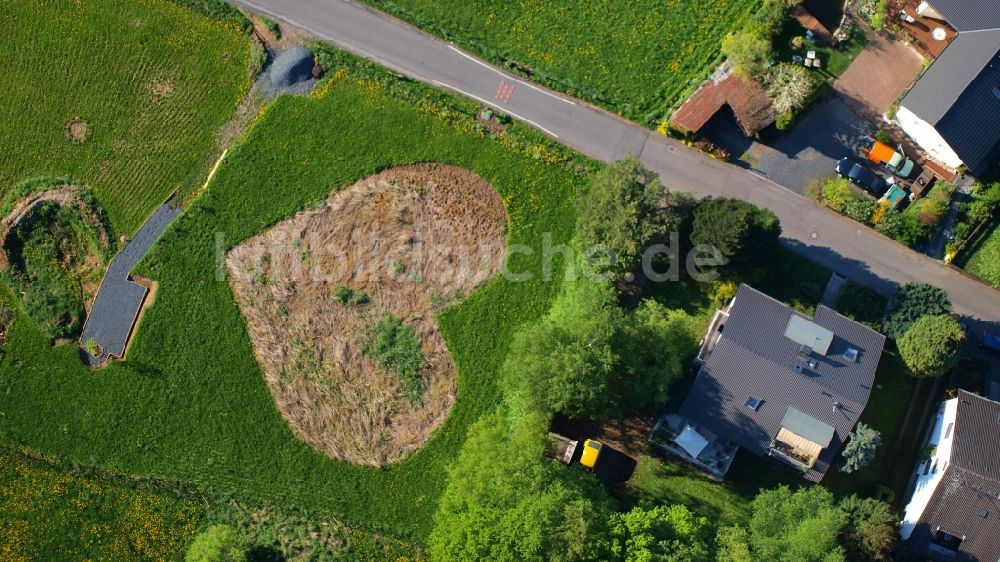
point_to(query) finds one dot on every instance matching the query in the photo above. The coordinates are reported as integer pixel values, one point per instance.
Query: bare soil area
(413, 239)
(76, 130)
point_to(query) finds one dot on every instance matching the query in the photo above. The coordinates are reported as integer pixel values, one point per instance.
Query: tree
(912, 301)
(800, 526)
(871, 530)
(566, 361)
(790, 85)
(985, 202)
(744, 233)
(624, 210)
(930, 347)
(654, 344)
(661, 534)
(503, 502)
(861, 447)
(749, 52)
(218, 543)
(732, 544)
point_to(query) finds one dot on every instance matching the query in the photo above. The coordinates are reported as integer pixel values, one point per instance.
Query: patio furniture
(817, 63)
(797, 59)
(811, 55)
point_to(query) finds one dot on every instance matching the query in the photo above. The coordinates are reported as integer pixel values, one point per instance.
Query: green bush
(884, 136)
(862, 304)
(930, 347)
(784, 121)
(271, 26)
(861, 209)
(395, 347)
(837, 194)
(748, 52)
(911, 302)
(346, 295)
(218, 543)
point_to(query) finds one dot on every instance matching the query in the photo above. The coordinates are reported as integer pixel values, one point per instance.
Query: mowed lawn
(984, 262)
(190, 403)
(151, 81)
(637, 58)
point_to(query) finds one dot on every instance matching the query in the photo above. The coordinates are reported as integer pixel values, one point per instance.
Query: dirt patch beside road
(411, 240)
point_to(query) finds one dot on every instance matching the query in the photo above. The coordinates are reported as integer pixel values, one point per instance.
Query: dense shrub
(838, 194)
(749, 52)
(871, 531)
(744, 233)
(790, 85)
(862, 304)
(911, 302)
(55, 257)
(930, 347)
(218, 543)
(395, 348)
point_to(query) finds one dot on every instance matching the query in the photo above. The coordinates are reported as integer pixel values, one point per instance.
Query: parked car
(892, 159)
(858, 172)
(591, 451)
(990, 343)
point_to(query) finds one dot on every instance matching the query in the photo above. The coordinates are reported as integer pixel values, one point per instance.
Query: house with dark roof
(954, 508)
(777, 383)
(953, 111)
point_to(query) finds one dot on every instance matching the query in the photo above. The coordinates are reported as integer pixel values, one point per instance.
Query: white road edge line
(505, 75)
(491, 104)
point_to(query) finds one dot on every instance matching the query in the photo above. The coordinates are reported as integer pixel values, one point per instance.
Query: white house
(954, 512)
(953, 111)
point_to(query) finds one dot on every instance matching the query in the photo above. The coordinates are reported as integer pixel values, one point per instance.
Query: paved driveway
(878, 76)
(826, 133)
(838, 125)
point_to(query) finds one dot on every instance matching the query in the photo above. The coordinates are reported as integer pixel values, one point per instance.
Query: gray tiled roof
(969, 488)
(754, 358)
(969, 15)
(956, 95)
(976, 446)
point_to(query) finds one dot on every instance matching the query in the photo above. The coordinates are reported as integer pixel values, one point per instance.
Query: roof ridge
(960, 468)
(979, 30)
(839, 395)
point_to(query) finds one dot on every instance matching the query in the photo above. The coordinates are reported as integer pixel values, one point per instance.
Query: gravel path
(119, 300)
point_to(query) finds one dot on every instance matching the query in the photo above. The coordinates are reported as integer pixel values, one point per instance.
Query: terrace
(930, 33)
(800, 440)
(694, 445)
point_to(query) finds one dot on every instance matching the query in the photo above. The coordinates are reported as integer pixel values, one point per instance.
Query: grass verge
(984, 261)
(637, 59)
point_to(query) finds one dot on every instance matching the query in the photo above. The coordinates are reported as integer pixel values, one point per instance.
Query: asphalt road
(834, 241)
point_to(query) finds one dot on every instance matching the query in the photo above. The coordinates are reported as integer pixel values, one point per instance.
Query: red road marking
(505, 91)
